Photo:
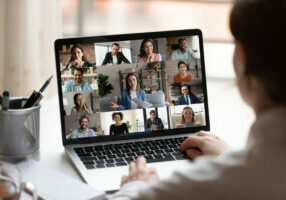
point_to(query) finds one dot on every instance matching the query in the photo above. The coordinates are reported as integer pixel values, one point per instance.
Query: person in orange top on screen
(182, 76)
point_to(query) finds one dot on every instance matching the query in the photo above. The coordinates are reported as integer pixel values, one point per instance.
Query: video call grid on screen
(132, 87)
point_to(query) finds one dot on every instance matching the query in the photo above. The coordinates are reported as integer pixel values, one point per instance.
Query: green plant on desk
(104, 87)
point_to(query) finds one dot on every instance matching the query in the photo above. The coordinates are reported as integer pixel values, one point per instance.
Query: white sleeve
(206, 178)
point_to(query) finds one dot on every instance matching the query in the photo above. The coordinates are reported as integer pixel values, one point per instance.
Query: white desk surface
(230, 118)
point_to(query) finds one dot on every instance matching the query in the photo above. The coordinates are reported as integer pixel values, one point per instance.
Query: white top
(114, 59)
(133, 95)
(78, 89)
(257, 172)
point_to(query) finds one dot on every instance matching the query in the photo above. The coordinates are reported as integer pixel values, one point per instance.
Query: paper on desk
(142, 104)
(54, 185)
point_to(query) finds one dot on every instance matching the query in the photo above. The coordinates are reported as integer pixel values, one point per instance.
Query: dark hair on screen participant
(118, 127)
(154, 123)
(147, 52)
(78, 59)
(183, 75)
(132, 91)
(187, 96)
(77, 84)
(183, 53)
(115, 57)
(80, 107)
(83, 131)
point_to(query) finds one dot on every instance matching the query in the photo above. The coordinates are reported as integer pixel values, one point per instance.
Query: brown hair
(82, 50)
(259, 25)
(128, 86)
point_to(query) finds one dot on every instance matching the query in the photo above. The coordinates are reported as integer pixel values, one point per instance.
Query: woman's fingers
(141, 165)
(193, 153)
(132, 169)
(123, 180)
(191, 142)
(201, 133)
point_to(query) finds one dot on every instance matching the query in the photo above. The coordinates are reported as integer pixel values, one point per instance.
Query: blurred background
(28, 29)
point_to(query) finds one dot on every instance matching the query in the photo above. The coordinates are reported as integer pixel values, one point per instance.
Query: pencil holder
(19, 130)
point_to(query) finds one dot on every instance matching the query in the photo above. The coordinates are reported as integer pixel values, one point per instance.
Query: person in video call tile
(77, 84)
(83, 131)
(77, 60)
(188, 119)
(80, 107)
(146, 52)
(183, 75)
(187, 96)
(114, 57)
(118, 127)
(132, 91)
(183, 53)
(154, 123)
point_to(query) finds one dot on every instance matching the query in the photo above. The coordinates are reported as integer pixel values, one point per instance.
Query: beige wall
(27, 33)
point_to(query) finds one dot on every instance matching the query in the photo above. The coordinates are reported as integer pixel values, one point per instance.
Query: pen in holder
(19, 131)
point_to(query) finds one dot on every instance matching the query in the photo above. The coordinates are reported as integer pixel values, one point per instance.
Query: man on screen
(183, 53)
(83, 131)
(77, 84)
(187, 96)
(154, 123)
(114, 57)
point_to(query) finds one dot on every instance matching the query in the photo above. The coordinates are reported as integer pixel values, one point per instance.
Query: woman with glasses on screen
(77, 60)
(146, 52)
(131, 95)
(258, 171)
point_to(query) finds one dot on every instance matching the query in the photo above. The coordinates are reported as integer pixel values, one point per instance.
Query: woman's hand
(203, 144)
(114, 105)
(139, 172)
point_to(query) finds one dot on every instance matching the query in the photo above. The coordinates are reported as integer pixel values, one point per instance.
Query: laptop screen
(133, 85)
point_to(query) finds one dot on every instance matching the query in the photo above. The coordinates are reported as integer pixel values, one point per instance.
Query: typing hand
(139, 172)
(203, 144)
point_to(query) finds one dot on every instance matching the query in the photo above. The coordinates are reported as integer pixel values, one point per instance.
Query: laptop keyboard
(114, 155)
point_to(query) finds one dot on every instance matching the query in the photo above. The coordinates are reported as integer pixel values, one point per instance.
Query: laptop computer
(129, 95)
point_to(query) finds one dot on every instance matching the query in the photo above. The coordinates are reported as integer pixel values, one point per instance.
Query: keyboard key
(90, 166)
(159, 160)
(119, 159)
(88, 163)
(99, 162)
(110, 161)
(110, 165)
(100, 166)
(121, 164)
(121, 155)
(84, 155)
(111, 156)
(102, 157)
(130, 154)
(79, 150)
(129, 159)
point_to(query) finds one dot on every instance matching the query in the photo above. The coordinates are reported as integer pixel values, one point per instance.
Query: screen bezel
(123, 37)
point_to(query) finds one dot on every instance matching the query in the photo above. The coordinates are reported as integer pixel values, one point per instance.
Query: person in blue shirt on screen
(83, 131)
(77, 84)
(183, 53)
(132, 91)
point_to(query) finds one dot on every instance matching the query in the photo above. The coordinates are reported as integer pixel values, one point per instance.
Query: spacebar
(160, 160)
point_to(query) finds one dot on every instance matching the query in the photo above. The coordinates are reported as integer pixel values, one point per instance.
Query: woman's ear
(239, 59)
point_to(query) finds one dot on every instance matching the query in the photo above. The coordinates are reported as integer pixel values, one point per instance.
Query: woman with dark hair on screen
(118, 127)
(146, 52)
(80, 107)
(258, 170)
(183, 75)
(132, 91)
(78, 60)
